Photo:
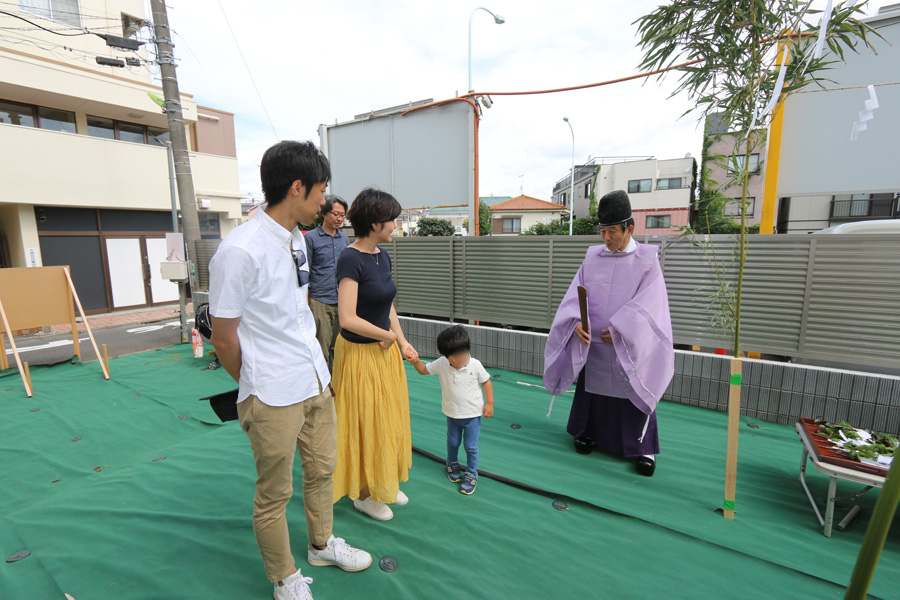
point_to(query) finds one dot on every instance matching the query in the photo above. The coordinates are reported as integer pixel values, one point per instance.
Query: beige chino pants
(274, 431)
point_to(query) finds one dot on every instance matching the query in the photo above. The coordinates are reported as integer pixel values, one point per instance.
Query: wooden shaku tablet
(582, 303)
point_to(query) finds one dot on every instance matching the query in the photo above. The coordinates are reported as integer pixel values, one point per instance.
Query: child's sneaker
(453, 472)
(468, 485)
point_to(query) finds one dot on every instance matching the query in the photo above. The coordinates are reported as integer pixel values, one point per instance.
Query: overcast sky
(317, 62)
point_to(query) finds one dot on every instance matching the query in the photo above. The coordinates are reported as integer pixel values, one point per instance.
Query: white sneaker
(296, 587)
(377, 510)
(402, 498)
(338, 553)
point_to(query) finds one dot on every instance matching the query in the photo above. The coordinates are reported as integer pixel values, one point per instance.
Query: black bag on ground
(224, 405)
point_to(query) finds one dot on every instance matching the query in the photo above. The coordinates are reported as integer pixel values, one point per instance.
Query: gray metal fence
(826, 297)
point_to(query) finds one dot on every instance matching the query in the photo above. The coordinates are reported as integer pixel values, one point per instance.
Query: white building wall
(50, 168)
(616, 177)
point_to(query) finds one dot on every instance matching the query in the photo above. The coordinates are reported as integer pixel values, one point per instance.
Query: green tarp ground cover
(103, 519)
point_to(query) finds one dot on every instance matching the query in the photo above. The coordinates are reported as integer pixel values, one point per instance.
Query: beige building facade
(83, 159)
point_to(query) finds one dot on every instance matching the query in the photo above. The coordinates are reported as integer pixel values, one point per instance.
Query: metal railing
(885, 207)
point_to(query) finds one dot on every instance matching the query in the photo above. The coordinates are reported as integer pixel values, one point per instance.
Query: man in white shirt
(265, 337)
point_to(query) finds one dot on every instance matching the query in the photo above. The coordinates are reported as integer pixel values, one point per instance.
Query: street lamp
(497, 19)
(572, 179)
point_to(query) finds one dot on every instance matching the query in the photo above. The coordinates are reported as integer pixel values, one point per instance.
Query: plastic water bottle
(197, 342)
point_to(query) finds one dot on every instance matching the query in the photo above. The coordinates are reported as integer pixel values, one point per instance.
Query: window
(102, 128)
(659, 221)
(562, 199)
(639, 185)
(513, 225)
(737, 162)
(111, 129)
(732, 208)
(61, 11)
(209, 225)
(15, 113)
(673, 183)
(587, 190)
(157, 136)
(128, 132)
(56, 120)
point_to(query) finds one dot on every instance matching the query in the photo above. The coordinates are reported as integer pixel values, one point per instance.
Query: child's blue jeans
(465, 430)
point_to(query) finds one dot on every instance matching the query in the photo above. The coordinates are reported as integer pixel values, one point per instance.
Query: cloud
(319, 62)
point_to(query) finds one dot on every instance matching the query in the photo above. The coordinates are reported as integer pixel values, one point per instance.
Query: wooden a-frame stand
(39, 297)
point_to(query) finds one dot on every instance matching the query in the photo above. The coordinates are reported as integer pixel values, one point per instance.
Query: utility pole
(190, 222)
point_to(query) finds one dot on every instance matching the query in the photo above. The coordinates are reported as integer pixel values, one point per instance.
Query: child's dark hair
(452, 340)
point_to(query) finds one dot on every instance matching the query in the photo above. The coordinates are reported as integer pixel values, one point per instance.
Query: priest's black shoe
(583, 445)
(646, 466)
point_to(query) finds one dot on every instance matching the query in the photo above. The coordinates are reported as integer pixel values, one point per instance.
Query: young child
(462, 380)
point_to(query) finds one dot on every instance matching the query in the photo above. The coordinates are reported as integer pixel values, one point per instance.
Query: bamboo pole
(87, 325)
(106, 358)
(877, 532)
(12, 342)
(27, 373)
(734, 424)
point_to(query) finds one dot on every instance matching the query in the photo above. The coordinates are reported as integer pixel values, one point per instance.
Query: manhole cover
(35, 409)
(18, 556)
(515, 426)
(388, 564)
(76, 439)
(752, 425)
(560, 505)
(159, 458)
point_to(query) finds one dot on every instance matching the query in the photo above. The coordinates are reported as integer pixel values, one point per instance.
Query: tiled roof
(527, 203)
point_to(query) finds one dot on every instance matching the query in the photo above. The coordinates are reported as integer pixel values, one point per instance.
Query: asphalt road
(119, 340)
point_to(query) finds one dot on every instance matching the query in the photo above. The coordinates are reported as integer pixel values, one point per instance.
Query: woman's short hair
(371, 207)
(452, 340)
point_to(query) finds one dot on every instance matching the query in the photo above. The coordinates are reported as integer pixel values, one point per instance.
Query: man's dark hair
(452, 340)
(371, 207)
(286, 162)
(330, 201)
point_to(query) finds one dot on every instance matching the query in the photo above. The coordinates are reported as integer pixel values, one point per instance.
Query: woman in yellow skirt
(374, 450)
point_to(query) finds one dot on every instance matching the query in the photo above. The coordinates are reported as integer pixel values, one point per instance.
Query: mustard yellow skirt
(374, 445)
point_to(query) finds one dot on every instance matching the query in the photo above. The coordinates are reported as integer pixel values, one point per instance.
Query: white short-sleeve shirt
(254, 276)
(462, 397)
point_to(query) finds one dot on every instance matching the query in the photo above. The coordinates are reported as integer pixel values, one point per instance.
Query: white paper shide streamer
(865, 115)
(817, 52)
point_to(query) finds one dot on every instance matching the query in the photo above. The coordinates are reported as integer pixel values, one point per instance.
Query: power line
(82, 13)
(39, 26)
(258, 95)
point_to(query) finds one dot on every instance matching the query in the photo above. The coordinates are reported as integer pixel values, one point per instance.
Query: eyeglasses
(338, 215)
(299, 261)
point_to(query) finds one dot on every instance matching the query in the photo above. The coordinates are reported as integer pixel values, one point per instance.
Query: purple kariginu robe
(627, 295)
